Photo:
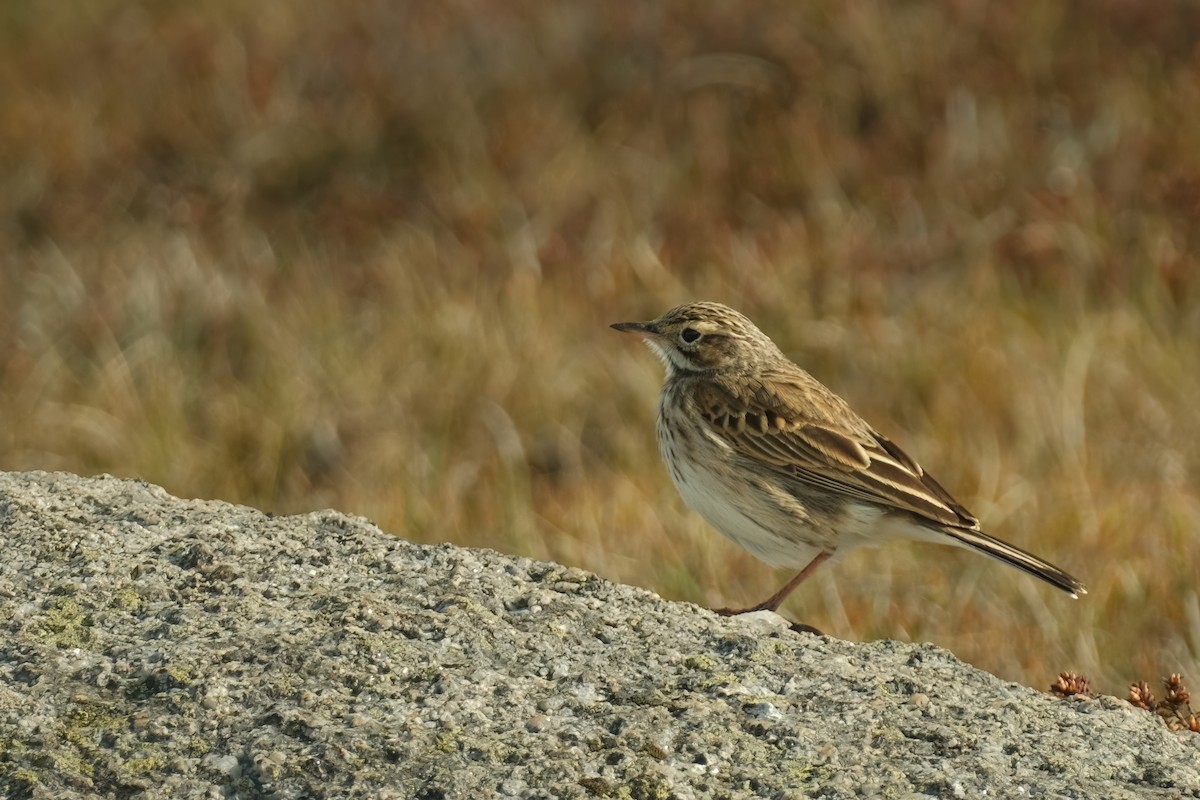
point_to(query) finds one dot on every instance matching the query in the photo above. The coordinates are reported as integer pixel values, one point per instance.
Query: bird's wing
(793, 424)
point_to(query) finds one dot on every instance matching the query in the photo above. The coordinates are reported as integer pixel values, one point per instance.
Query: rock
(157, 647)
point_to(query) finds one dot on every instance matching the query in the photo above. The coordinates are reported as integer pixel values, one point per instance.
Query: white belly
(745, 514)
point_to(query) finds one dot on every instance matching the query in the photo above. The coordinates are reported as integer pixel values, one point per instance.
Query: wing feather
(795, 425)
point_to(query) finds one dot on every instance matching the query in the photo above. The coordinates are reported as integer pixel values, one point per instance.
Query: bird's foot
(796, 627)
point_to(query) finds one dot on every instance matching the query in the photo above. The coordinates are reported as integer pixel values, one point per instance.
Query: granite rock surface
(158, 647)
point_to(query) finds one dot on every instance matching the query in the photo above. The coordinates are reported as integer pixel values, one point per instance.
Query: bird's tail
(1010, 554)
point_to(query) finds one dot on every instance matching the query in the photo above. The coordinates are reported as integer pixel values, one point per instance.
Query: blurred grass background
(363, 255)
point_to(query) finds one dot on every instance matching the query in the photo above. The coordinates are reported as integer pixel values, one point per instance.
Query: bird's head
(704, 338)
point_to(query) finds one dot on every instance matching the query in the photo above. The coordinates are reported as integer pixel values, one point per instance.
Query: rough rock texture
(156, 647)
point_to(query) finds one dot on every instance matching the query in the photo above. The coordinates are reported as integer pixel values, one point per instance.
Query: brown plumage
(781, 465)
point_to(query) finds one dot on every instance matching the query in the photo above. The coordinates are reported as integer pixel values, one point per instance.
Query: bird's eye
(690, 335)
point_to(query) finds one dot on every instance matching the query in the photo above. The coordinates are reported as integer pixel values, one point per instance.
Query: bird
(782, 466)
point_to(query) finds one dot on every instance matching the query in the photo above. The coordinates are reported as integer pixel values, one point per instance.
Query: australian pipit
(782, 466)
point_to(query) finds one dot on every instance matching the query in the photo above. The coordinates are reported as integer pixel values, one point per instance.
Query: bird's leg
(773, 602)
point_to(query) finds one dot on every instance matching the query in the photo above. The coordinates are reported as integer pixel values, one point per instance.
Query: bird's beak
(633, 327)
(650, 336)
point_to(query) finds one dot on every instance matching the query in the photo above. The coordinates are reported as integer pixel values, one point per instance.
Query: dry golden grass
(364, 255)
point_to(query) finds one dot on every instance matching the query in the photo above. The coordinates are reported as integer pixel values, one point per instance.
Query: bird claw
(795, 627)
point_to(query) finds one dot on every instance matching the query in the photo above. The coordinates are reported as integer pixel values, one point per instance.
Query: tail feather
(1010, 554)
